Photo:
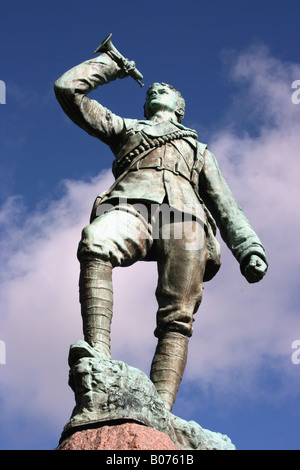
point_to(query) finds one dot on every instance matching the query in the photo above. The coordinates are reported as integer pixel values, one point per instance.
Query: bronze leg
(179, 293)
(117, 238)
(96, 298)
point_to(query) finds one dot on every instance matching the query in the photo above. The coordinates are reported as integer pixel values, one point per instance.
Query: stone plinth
(109, 392)
(127, 436)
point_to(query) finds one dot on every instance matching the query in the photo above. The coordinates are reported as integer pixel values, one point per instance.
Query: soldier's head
(161, 96)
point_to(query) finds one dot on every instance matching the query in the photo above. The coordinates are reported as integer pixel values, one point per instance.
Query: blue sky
(234, 62)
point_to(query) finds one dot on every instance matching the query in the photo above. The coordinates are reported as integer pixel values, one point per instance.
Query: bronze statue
(159, 164)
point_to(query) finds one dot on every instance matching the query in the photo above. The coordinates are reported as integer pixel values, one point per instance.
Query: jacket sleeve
(235, 229)
(71, 90)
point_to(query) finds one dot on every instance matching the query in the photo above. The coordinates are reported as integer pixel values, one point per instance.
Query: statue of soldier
(158, 162)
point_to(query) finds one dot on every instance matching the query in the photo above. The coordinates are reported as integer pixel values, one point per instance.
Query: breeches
(128, 233)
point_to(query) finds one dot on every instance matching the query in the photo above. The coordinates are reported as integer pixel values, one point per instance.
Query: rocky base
(111, 392)
(127, 436)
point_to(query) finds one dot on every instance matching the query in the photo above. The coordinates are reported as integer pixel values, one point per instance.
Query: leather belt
(156, 163)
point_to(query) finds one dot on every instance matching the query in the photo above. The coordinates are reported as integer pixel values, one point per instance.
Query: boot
(168, 366)
(96, 298)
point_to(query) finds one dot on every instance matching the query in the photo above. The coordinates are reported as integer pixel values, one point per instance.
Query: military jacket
(169, 171)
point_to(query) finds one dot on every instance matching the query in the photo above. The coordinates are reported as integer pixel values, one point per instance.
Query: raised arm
(71, 90)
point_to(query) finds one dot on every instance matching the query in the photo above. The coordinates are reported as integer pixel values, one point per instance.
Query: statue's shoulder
(136, 124)
(201, 147)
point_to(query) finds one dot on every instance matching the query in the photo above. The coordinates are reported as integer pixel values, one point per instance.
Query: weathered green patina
(109, 391)
(166, 180)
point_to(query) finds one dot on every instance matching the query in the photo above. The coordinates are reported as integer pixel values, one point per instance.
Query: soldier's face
(159, 98)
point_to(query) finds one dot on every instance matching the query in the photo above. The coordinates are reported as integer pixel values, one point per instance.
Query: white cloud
(39, 296)
(243, 325)
(40, 312)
